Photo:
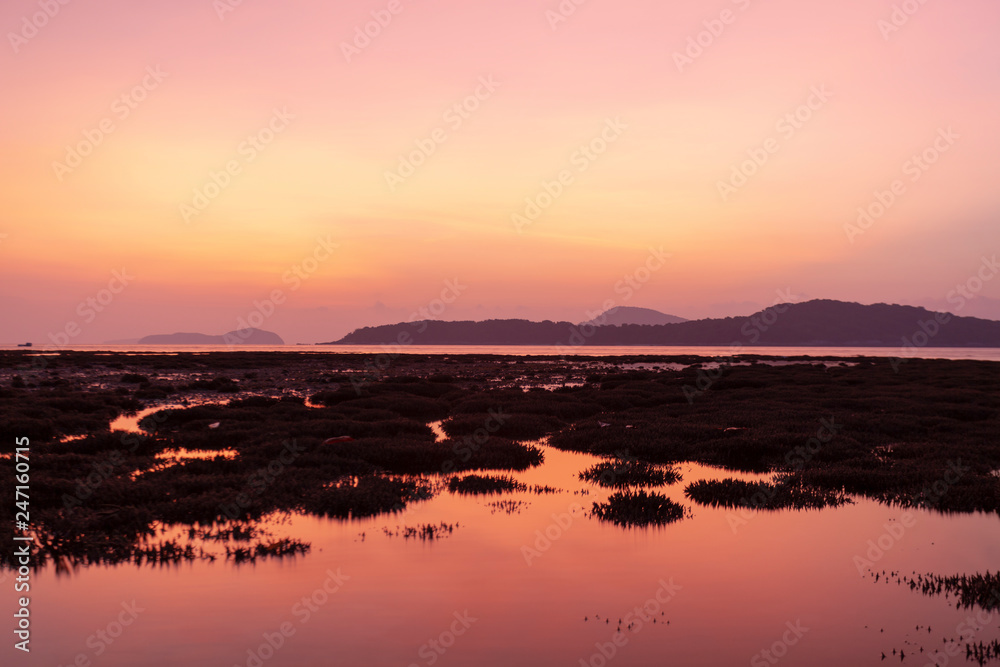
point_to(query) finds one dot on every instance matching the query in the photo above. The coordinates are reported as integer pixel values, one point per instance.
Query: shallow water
(529, 578)
(985, 354)
(130, 421)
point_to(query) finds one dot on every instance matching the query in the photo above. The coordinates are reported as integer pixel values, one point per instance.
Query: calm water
(522, 585)
(987, 354)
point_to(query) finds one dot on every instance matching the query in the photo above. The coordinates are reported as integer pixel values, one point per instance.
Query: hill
(812, 323)
(632, 315)
(241, 337)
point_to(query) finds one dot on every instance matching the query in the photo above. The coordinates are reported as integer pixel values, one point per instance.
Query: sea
(975, 353)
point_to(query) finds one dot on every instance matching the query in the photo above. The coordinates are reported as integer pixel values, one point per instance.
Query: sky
(312, 167)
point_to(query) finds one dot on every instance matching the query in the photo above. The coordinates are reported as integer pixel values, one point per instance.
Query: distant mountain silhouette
(813, 323)
(241, 337)
(632, 315)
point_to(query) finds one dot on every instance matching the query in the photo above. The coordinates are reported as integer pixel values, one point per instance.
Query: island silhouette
(248, 336)
(816, 323)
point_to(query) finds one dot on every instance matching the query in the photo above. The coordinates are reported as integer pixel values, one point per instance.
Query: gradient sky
(558, 86)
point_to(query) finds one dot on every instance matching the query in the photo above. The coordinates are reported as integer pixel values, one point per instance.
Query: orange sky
(219, 154)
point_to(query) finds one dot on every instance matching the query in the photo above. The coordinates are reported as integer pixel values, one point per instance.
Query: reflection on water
(203, 454)
(171, 457)
(515, 587)
(987, 353)
(132, 422)
(439, 434)
(548, 386)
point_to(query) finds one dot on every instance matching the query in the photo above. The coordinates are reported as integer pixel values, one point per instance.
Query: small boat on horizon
(24, 344)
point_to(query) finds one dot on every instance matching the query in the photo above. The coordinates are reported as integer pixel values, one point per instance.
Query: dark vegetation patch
(414, 456)
(263, 550)
(948, 485)
(624, 473)
(252, 420)
(567, 406)
(222, 385)
(516, 426)
(762, 495)
(239, 531)
(927, 435)
(484, 485)
(425, 531)
(507, 506)
(639, 508)
(969, 590)
(115, 547)
(365, 496)
(47, 414)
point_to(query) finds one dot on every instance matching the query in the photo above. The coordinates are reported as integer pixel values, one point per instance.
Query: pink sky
(308, 213)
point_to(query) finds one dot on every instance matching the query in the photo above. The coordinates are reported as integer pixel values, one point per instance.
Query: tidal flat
(673, 467)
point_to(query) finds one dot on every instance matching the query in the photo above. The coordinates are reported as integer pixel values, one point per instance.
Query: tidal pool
(542, 584)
